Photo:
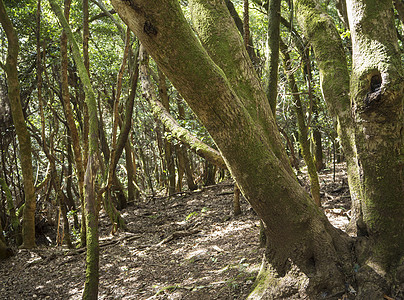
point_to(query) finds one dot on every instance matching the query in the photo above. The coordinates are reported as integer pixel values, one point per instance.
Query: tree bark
(24, 139)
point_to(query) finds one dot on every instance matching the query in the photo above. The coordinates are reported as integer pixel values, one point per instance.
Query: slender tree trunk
(304, 138)
(69, 185)
(74, 135)
(86, 60)
(180, 166)
(24, 139)
(131, 174)
(91, 207)
(318, 149)
(182, 150)
(15, 222)
(271, 86)
(293, 159)
(236, 200)
(168, 147)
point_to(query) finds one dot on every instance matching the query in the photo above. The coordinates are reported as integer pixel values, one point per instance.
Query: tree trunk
(304, 139)
(318, 149)
(74, 135)
(168, 147)
(236, 200)
(224, 92)
(273, 38)
(91, 209)
(182, 150)
(334, 82)
(15, 222)
(377, 97)
(24, 139)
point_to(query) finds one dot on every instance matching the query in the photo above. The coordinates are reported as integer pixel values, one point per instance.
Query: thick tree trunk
(377, 96)
(24, 138)
(229, 100)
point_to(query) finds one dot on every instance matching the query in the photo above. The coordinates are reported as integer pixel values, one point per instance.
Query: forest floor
(188, 246)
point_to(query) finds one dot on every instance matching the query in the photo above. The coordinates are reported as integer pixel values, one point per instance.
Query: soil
(187, 246)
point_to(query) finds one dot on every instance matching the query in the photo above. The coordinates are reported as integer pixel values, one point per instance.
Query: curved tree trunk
(225, 93)
(24, 138)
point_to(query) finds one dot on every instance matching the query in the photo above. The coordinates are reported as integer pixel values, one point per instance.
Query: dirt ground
(188, 246)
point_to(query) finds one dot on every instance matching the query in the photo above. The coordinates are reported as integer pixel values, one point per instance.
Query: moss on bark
(24, 138)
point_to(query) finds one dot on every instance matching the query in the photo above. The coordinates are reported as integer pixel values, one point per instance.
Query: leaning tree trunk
(224, 91)
(377, 96)
(24, 139)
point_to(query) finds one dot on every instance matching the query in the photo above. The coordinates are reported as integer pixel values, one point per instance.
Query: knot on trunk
(149, 28)
(375, 91)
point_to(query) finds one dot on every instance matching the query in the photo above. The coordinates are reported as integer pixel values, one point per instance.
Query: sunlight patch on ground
(230, 228)
(196, 254)
(74, 291)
